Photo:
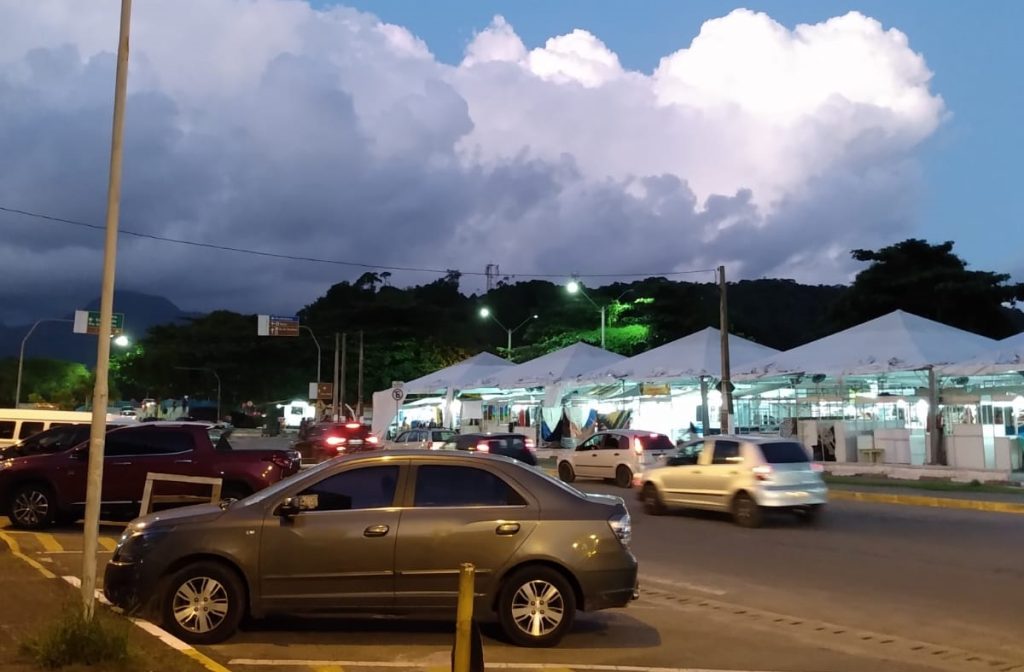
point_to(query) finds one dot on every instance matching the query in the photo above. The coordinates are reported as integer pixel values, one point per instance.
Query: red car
(330, 439)
(37, 490)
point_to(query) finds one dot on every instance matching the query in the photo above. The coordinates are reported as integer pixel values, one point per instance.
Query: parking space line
(329, 668)
(48, 542)
(405, 665)
(12, 544)
(108, 544)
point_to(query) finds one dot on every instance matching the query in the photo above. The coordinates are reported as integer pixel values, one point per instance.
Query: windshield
(283, 484)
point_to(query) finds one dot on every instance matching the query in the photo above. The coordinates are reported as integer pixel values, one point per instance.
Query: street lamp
(574, 287)
(21, 356)
(318, 355)
(122, 341)
(214, 372)
(485, 312)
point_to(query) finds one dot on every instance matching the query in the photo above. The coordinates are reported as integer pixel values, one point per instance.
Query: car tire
(537, 607)
(746, 512)
(566, 472)
(653, 503)
(810, 515)
(188, 617)
(32, 507)
(623, 476)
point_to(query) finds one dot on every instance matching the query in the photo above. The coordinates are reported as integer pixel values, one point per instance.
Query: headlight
(133, 546)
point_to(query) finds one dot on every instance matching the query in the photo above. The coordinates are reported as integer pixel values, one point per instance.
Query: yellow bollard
(464, 620)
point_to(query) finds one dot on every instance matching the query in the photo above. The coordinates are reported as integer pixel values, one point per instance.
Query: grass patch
(71, 640)
(930, 485)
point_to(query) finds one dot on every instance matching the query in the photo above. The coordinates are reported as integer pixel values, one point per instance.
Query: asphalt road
(871, 585)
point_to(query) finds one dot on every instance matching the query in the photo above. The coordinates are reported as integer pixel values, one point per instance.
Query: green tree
(930, 281)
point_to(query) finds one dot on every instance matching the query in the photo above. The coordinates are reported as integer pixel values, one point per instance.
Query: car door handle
(376, 531)
(120, 464)
(507, 529)
(615, 455)
(695, 473)
(183, 461)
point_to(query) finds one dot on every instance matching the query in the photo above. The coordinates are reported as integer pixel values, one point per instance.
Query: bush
(72, 639)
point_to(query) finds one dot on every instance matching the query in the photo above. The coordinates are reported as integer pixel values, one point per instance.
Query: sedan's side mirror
(293, 506)
(80, 453)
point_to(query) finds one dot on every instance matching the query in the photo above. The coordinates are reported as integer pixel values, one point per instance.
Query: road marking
(16, 552)
(922, 500)
(108, 543)
(685, 585)
(48, 542)
(161, 634)
(406, 665)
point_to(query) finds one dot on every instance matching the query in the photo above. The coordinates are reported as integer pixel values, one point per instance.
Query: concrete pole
(359, 379)
(334, 396)
(344, 359)
(705, 416)
(726, 421)
(508, 348)
(934, 438)
(602, 327)
(97, 435)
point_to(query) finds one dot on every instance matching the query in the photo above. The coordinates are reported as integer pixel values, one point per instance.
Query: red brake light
(763, 472)
(483, 448)
(529, 444)
(372, 439)
(335, 440)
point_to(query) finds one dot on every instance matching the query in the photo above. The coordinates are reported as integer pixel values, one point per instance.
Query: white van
(20, 423)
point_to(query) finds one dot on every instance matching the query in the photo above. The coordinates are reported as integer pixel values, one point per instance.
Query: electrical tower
(492, 272)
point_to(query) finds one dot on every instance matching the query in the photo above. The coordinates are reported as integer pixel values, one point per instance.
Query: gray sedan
(383, 533)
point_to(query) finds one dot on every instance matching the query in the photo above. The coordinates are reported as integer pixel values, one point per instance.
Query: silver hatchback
(742, 475)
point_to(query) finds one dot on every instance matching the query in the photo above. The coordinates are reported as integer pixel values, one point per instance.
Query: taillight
(622, 526)
(335, 440)
(483, 448)
(372, 439)
(529, 445)
(638, 447)
(763, 472)
(353, 425)
(819, 468)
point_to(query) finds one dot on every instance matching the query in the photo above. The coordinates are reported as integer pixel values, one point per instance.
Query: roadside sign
(325, 391)
(88, 322)
(398, 394)
(277, 325)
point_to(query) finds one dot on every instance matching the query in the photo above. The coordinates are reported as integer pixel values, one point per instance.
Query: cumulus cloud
(268, 124)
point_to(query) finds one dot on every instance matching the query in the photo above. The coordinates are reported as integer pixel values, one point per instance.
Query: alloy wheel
(31, 507)
(200, 605)
(538, 608)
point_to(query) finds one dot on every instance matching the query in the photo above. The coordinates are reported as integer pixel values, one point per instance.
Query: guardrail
(148, 498)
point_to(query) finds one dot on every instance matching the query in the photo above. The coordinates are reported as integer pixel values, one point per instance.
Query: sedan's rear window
(784, 452)
(655, 442)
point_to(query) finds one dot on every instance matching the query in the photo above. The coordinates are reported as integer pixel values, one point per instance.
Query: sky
(612, 140)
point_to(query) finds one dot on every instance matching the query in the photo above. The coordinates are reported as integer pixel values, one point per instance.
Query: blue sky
(971, 165)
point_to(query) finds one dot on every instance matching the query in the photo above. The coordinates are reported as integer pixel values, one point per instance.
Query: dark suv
(330, 439)
(515, 446)
(37, 490)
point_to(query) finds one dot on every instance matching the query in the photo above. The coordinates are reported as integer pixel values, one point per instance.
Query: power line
(335, 262)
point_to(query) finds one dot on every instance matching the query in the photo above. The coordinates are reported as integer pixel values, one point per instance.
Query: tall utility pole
(344, 358)
(726, 421)
(359, 380)
(319, 355)
(97, 434)
(335, 415)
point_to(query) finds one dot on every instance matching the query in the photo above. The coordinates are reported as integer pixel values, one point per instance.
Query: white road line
(391, 664)
(685, 585)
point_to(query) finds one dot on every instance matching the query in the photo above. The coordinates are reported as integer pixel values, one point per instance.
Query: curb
(926, 501)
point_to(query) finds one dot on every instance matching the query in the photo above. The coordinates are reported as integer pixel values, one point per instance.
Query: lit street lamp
(485, 312)
(122, 341)
(574, 287)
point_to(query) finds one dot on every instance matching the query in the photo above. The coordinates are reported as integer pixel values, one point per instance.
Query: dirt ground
(29, 601)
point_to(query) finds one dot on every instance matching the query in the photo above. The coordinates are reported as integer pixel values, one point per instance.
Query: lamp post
(21, 356)
(485, 312)
(574, 287)
(211, 370)
(318, 355)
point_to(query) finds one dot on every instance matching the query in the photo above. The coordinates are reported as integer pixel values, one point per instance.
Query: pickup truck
(38, 490)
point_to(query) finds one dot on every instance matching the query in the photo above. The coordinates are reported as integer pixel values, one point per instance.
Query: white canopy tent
(445, 381)
(899, 341)
(458, 376)
(559, 367)
(687, 358)
(1006, 356)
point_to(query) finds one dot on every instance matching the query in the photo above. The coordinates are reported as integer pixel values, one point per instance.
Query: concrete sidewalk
(943, 499)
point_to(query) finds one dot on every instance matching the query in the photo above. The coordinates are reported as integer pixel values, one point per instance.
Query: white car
(742, 475)
(431, 439)
(614, 454)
